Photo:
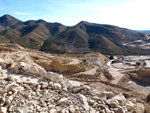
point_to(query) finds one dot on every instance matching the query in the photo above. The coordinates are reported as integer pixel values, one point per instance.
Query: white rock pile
(54, 94)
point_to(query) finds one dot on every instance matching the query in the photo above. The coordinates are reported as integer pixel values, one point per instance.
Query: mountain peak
(8, 20)
(40, 21)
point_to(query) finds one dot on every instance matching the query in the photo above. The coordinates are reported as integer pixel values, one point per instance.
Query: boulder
(64, 67)
(71, 84)
(139, 108)
(56, 86)
(83, 101)
(54, 77)
(120, 98)
(33, 69)
(20, 67)
(108, 94)
(37, 70)
(45, 64)
(41, 71)
(62, 101)
(3, 110)
(130, 105)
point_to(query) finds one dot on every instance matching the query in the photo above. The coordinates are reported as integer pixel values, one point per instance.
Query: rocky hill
(81, 38)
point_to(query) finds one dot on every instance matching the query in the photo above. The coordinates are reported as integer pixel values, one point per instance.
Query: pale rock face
(54, 77)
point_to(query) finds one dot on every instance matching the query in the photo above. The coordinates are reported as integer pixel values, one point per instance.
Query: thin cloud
(22, 13)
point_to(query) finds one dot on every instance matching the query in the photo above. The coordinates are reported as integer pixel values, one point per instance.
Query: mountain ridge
(55, 37)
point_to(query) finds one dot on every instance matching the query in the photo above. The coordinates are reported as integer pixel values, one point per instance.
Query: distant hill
(81, 38)
(144, 31)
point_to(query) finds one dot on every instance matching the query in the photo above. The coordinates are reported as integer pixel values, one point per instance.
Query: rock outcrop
(142, 75)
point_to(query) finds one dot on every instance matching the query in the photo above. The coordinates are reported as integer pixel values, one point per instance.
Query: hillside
(144, 31)
(81, 38)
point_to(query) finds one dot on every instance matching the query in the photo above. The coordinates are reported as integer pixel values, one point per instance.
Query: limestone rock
(62, 101)
(56, 86)
(45, 64)
(108, 94)
(71, 83)
(33, 69)
(139, 108)
(59, 65)
(20, 67)
(130, 105)
(120, 98)
(54, 77)
(3, 109)
(83, 101)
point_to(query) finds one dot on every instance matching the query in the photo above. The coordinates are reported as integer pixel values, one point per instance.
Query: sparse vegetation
(111, 57)
(37, 57)
(6, 49)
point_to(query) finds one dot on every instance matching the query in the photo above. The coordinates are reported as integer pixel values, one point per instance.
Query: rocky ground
(28, 87)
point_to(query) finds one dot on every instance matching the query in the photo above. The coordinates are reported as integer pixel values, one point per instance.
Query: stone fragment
(130, 105)
(3, 110)
(108, 94)
(71, 83)
(54, 77)
(120, 98)
(62, 101)
(83, 101)
(56, 86)
(139, 108)
(33, 69)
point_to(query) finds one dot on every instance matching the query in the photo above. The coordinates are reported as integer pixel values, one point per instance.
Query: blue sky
(132, 14)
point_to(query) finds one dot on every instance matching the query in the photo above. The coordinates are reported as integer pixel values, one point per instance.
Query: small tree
(138, 64)
(111, 57)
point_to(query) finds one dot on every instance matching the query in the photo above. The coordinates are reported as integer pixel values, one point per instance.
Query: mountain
(31, 34)
(7, 21)
(85, 37)
(81, 38)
